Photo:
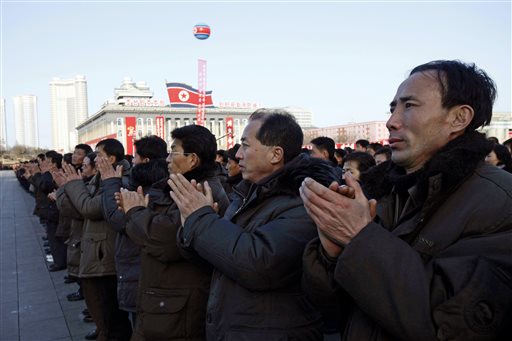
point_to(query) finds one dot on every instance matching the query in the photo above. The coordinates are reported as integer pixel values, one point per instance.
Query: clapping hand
(126, 200)
(106, 170)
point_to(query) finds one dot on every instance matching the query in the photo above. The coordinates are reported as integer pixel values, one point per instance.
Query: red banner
(160, 131)
(229, 132)
(201, 72)
(130, 123)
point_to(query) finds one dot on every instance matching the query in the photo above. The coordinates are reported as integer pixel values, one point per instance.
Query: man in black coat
(432, 257)
(256, 248)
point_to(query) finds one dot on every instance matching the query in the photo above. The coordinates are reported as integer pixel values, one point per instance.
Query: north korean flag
(182, 95)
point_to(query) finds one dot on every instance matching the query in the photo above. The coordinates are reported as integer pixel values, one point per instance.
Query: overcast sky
(341, 60)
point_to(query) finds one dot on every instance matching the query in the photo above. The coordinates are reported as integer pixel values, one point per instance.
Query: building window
(119, 121)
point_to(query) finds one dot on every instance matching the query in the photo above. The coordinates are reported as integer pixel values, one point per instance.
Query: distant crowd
(272, 241)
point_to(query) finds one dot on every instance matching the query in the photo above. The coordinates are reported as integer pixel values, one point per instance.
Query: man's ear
(461, 117)
(325, 154)
(111, 159)
(277, 155)
(194, 161)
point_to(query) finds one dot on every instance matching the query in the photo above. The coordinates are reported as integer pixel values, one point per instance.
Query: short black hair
(503, 155)
(341, 152)
(199, 140)
(112, 147)
(224, 154)
(508, 142)
(327, 144)
(67, 158)
(463, 84)
(232, 152)
(375, 146)
(151, 147)
(384, 150)
(279, 128)
(92, 158)
(363, 143)
(85, 147)
(364, 160)
(56, 157)
(41, 156)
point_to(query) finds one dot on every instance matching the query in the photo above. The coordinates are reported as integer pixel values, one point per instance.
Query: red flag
(184, 96)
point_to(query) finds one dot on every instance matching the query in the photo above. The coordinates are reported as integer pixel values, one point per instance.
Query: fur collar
(289, 178)
(146, 174)
(453, 163)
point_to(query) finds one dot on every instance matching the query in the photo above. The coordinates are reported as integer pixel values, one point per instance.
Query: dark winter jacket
(256, 251)
(442, 269)
(127, 255)
(173, 291)
(231, 182)
(45, 208)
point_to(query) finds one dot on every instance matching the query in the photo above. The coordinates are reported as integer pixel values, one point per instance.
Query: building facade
(3, 123)
(134, 114)
(68, 106)
(348, 134)
(26, 124)
(500, 126)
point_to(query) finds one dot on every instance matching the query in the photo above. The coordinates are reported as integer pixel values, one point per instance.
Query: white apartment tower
(68, 105)
(3, 130)
(25, 120)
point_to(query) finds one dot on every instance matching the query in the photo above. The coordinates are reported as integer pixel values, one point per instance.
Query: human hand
(205, 190)
(107, 170)
(70, 173)
(187, 196)
(349, 192)
(52, 196)
(58, 177)
(130, 199)
(33, 168)
(338, 217)
(45, 165)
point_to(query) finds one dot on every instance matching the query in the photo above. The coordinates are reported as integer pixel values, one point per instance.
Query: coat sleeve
(268, 257)
(65, 207)
(322, 289)
(114, 217)
(43, 182)
(89, 207)
(412, 299)
(155, 232)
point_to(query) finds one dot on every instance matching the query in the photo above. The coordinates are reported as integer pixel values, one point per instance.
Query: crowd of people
(270, 241)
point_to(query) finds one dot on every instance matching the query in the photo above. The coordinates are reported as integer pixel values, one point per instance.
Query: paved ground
(33, 304)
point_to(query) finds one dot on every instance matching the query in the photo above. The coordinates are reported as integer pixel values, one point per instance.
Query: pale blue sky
(341, 60)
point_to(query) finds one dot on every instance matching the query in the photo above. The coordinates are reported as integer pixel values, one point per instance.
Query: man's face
(103, 154)
(78, 157)
(254, 158)
(233, 167)
(360, 148)
(87, 169)
(178, 161)
(380, 158)
(319, 154)
(419, 126)
(351, 167)
(137, 159)
(492, 159)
